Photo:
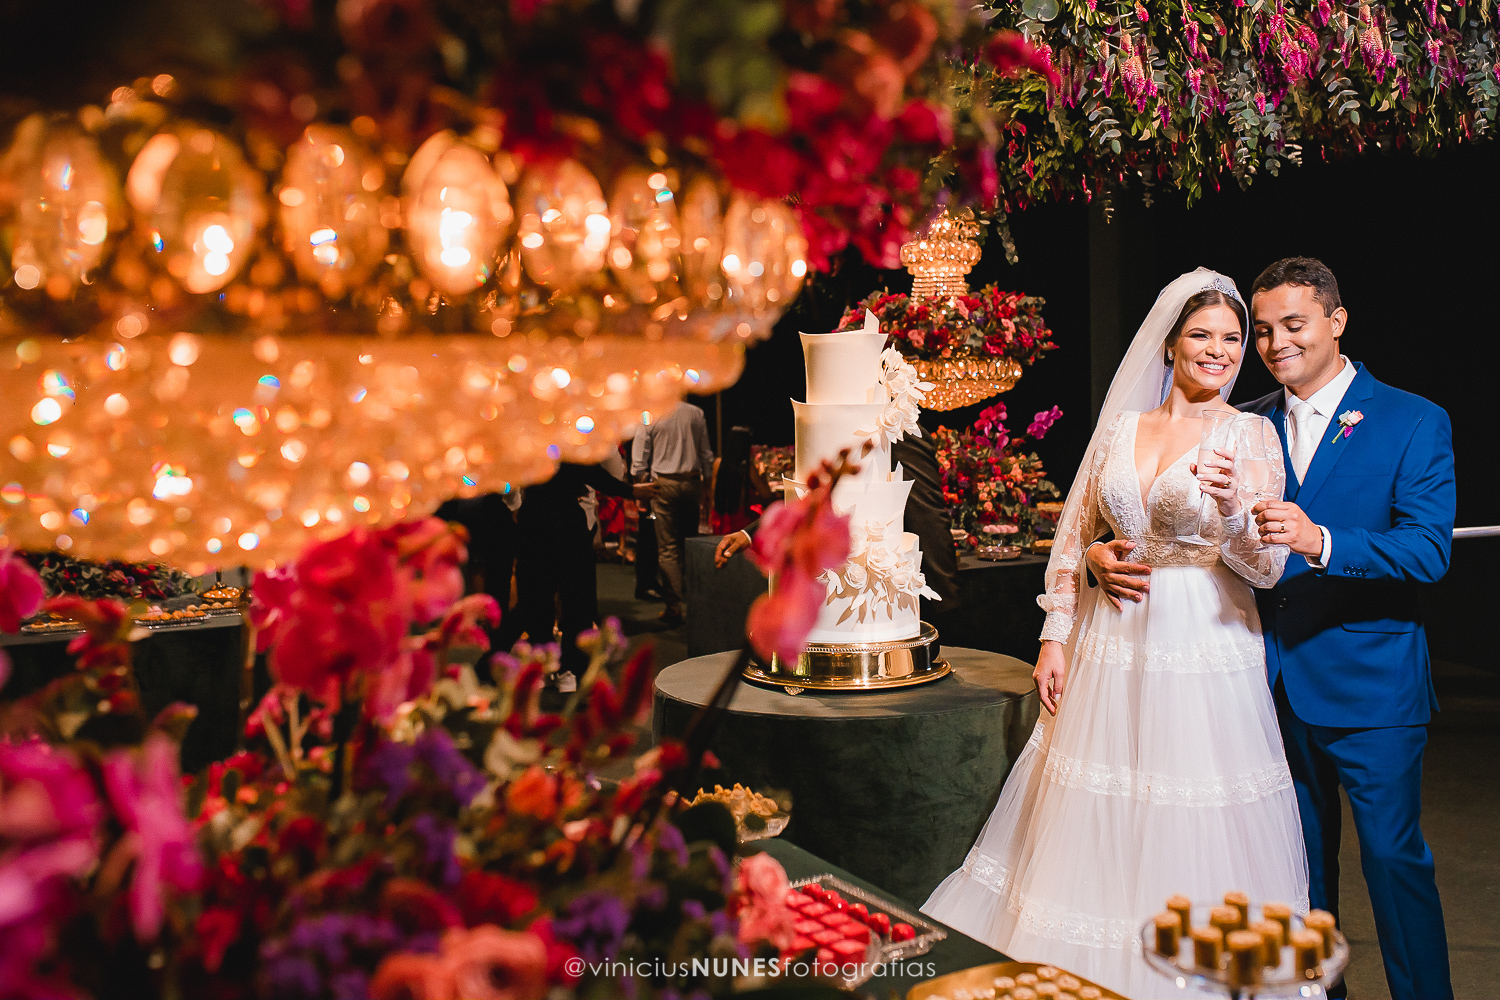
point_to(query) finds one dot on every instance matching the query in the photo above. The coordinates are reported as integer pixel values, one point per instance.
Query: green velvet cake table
(891, 785)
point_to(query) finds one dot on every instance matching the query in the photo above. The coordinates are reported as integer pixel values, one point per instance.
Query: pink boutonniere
(1347, 420)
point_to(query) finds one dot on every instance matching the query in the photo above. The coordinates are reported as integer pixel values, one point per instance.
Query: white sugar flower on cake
(905, 392)
(879, 575)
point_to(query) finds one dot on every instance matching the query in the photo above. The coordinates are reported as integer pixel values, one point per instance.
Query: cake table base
(857, 666)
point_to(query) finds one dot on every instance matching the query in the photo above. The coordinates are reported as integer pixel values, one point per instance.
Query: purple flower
(349, 985)
(451, 767)
(669, 839)
(390, 764)
(595, 924)
(437, 839)
(294, 976)
(693, 909)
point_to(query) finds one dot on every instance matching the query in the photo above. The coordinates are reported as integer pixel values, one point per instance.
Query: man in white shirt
(674, 453)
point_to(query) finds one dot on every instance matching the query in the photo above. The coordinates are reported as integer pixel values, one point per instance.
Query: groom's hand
(1121, 580)
(1283, 523)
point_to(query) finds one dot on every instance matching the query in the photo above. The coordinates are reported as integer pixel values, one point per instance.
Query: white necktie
(1304, 441)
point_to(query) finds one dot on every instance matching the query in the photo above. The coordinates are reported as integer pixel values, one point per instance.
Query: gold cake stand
(856, 666)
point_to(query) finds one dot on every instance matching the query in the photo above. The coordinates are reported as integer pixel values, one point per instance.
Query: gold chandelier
(371, 348)
(939, 261)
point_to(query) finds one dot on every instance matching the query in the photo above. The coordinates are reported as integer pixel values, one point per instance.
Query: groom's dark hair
(1307, 271)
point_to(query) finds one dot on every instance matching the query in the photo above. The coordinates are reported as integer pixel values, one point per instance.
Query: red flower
(756, 161)
(217, 928)
(926, 123)
(491, 898)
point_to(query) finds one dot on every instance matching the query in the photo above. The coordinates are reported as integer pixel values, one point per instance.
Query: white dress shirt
(1325, 403)
(677, 444)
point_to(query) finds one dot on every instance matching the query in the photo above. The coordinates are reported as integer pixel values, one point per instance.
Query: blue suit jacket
(1348, 641)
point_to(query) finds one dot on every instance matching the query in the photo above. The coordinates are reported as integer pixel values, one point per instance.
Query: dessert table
(201, 663)
(996, 608)
(893, 785)
(956, 951)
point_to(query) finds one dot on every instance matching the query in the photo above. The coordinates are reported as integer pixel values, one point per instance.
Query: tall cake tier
(874, 596)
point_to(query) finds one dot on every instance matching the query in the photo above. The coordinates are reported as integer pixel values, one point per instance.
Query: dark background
(1415, 244)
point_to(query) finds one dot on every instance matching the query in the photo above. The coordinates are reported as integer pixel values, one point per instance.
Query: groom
(1368, 516)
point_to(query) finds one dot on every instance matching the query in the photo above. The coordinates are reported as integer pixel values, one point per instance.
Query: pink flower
(761, 898)
(146, 794)
(780, 620)
(271, 605)
(1043, 422)
(465, 622)
(44, 793)
(106, 623)
(1012, 55)
(430, 554)
(407, 976)
(21, 590)
(487, 963)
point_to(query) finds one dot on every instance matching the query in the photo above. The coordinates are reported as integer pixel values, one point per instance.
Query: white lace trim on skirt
(1226, 657)
(1162, 789)
(1047, 920)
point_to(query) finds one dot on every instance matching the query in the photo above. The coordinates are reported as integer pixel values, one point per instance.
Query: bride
(1157, 767)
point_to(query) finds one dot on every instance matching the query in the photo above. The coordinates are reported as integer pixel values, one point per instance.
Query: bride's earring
(1170, 358)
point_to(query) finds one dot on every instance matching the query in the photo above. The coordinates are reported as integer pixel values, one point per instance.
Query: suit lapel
(1278, 420)
(1331, 448)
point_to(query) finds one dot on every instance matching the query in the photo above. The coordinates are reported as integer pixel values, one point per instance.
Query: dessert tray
(1292, 975)
(850, 931)
(997, 553)
(1010, 981)
(756, 816)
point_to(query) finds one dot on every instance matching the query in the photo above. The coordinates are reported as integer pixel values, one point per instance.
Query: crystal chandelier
(939, 262)
(205, 365)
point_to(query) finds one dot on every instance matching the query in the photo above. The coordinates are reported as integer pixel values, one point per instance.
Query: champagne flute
(1256, 441)
(1215, 437)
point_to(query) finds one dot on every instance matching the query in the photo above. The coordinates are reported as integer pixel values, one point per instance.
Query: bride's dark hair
(1205, 299)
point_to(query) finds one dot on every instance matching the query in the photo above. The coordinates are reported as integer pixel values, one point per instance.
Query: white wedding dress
(1163, 771)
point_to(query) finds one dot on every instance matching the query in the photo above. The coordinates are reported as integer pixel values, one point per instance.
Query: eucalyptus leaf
(1041, 10)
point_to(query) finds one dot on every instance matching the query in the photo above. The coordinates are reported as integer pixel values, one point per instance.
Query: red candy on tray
(856, 931)
(841, 930)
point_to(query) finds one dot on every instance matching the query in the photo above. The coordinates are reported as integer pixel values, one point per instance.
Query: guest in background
(737, 492)
(555, 577)
(491, 524)
(674, 454)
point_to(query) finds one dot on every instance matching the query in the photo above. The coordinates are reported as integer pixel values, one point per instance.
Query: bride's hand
(1051, 670)
(1219, 479)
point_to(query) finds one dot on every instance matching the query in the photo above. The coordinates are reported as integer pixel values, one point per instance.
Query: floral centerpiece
(125, 580)
(399, 825)
(988, 322)
(991, 484)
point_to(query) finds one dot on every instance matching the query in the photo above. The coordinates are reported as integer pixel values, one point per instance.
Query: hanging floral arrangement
(988, 322)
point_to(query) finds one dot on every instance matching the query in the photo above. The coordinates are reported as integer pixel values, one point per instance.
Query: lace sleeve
(1079, 525)
(1242, 549)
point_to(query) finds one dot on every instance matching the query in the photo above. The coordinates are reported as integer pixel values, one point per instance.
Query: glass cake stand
(1282, 981)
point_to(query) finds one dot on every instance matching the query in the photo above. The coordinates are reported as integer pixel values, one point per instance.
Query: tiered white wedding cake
(858, 390)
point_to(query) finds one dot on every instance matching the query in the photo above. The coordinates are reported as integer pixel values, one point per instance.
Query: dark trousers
(675, 506)
(556, 585)
(645, 553)
(1381, 770)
